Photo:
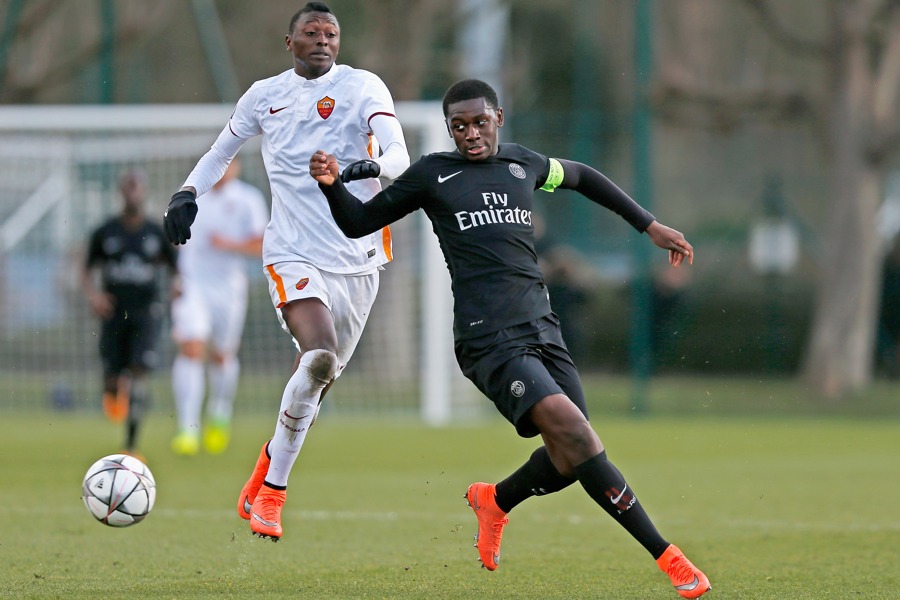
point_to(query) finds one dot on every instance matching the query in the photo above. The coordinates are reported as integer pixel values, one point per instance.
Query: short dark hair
(470, 89)
(309, 8)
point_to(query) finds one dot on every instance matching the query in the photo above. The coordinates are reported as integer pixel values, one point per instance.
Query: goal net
(58, 170)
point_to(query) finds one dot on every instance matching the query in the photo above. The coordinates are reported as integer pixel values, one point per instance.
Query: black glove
(178, 217)
(361, 169)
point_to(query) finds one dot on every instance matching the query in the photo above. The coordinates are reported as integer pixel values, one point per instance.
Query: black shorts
(128, 340)
(518, 366)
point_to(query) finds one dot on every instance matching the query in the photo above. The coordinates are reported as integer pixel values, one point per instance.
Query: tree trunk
(841, 345)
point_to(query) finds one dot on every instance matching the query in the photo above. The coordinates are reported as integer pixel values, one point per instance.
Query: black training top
(129, 261)
(481, 214)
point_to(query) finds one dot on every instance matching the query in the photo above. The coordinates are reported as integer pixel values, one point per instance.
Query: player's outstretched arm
(673, 241)
(595, 186)
(355, 218)
(348, 212)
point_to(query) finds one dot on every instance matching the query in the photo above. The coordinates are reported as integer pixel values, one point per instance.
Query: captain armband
(554, 177)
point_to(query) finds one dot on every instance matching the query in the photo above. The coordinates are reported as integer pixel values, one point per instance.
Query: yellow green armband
(554, 177)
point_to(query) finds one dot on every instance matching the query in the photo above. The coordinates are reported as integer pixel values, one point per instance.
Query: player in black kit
(507, 339)
(129, 251)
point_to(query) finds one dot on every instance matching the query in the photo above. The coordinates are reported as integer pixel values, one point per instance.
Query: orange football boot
(265, 515)
(115, 406)
(251, 488)
(491, 520)
(689, 581)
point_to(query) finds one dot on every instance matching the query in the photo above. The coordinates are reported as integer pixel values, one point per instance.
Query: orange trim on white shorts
(386, 242)
(279, 285)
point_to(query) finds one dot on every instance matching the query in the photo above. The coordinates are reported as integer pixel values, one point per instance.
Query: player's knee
(321, 364)
(578, 442)
(193, 349)
(218, 357)
(564, 427)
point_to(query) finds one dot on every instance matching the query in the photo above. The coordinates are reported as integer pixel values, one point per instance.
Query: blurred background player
(129, 252)
(479, 200)
(208, 316)
(322, 284)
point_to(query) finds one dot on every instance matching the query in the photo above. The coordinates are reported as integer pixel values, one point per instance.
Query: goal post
(58, 166)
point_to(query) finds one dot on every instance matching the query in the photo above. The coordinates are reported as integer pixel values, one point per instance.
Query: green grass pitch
(798, 508)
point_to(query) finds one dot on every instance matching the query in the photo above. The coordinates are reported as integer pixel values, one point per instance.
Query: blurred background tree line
(766, 130)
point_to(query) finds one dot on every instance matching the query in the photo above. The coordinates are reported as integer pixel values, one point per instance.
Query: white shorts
(210, 314)
(348, 297)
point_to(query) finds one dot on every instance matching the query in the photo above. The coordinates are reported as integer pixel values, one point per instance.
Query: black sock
(604, 483)
(536, 477)
(131, 434)
(138, 399)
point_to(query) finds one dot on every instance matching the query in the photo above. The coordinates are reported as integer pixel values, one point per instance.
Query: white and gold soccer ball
(119, 490)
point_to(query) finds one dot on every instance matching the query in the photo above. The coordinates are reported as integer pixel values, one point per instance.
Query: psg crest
(325, 106)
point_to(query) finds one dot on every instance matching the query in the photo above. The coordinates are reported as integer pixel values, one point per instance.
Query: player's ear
(499, 117)
(447, 125)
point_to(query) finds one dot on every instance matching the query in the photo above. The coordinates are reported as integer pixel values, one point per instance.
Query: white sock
(223, 380)
(188, 387)
(299, 405)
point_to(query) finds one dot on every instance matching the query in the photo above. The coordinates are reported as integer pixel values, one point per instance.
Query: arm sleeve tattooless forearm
(592, 184)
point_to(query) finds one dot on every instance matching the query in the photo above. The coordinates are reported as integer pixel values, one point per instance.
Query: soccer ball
(119, 490)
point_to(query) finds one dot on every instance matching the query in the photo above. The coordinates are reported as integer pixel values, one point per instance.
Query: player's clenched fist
(361, 169)
(179, 216)
(323, 167)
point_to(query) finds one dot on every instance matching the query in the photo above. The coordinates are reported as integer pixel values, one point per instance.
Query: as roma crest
(302, 283)
(325, 106)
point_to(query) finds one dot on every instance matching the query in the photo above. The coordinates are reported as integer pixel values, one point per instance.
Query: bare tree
(36, 69)
(404, 65)
(853, 109)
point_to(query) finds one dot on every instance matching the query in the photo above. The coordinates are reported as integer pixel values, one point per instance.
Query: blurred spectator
(668, 299)
(126, 254)
(208, 317)
(571, 280)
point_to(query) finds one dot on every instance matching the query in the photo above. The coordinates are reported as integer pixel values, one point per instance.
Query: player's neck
(132, 220)
(310, 74)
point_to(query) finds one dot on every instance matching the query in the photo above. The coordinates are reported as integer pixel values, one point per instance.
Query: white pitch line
(463, 516)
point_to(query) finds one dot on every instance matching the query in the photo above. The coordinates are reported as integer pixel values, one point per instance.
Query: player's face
(133, 194)
(473, 125)
(314, 43)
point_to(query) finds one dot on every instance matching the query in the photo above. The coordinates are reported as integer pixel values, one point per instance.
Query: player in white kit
(322, 284)
(208, 316)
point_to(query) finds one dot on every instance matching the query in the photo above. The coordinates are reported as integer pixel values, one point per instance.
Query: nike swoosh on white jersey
(619, 497)
(442, 179)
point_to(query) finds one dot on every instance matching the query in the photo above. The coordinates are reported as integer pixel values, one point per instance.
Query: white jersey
(236, 212)
(346, 112)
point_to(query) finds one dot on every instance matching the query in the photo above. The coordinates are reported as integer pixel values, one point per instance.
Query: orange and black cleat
(491, 520)
(265, 516)
(115, 407)
(689, 581)
(251, 488)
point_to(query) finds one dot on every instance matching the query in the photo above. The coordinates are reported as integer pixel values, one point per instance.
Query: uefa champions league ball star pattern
(119, 490)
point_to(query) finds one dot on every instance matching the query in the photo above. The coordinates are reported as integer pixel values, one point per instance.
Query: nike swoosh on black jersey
(442, 179)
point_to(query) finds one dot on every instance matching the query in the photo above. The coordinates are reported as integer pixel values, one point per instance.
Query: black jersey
(481, 214)
(129, 260)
